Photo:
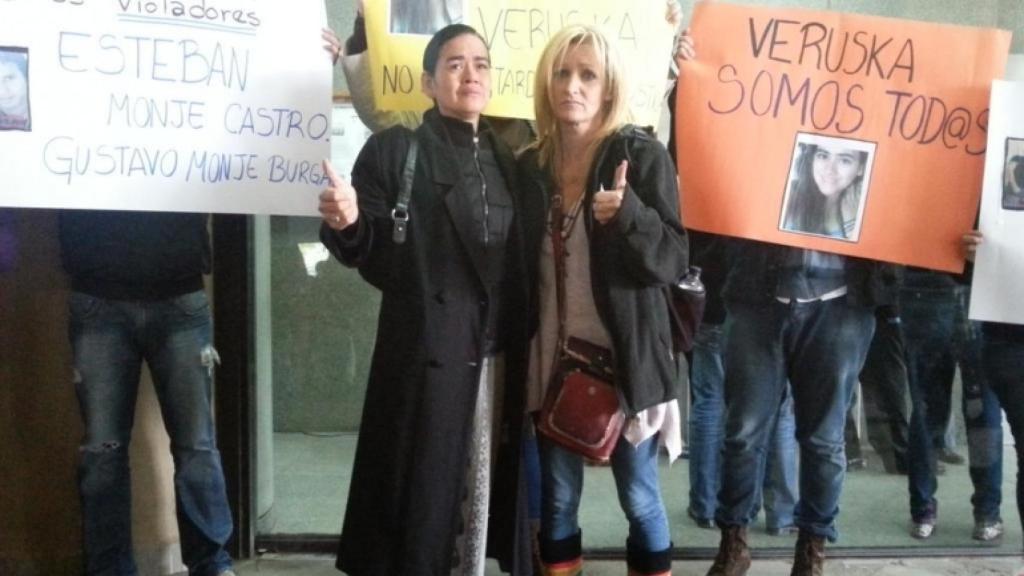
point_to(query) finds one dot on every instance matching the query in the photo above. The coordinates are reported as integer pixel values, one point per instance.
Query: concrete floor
(282, 565)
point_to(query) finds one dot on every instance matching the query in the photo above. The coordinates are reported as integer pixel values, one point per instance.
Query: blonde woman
(624, 242)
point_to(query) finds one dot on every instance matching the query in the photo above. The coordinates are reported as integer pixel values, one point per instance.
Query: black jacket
(754, 269)
(632, 258)
(409, 472)
(134, 255)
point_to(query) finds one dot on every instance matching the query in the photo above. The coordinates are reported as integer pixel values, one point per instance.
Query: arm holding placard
(355, 63)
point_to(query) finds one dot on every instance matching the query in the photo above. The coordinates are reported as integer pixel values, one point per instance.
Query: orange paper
(851, 134)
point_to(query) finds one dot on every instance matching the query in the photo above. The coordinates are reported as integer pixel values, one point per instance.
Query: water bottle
(687, 309)
(691, 281)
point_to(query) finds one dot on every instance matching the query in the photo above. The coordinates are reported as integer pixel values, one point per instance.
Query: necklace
(568, 219)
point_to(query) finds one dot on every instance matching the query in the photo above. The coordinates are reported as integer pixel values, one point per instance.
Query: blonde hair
(615, 111)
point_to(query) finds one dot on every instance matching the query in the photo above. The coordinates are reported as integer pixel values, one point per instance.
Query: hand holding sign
(608, 202)
(685, 49)
(331, 43)
(338, 204)
(970, 242)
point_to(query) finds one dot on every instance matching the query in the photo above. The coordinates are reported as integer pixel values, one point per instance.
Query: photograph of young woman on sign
(424, 16)
(827, 187)
(1013, 175)
(14, 109)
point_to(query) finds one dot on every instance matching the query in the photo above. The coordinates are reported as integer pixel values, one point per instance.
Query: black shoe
(705, 523)
(949, 457)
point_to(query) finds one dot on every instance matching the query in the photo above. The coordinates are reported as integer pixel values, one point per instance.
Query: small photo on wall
(1013, 175)
(828, 186)
(424, 17)
(15, 111)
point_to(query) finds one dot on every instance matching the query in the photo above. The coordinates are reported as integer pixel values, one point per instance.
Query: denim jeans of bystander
(935, 324)
(110, 341)
(818, 348)
(779, 470)
(1003, 359)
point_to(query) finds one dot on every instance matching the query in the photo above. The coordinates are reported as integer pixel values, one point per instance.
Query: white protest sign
(165, 105)
(999, 265)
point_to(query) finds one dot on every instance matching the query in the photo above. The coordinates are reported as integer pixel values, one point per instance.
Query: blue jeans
(707, 376)
(707, 384)
(110, 339)
(935, 326)
(636, 480)
(819, 348)
(779, 489)
(1003, 359)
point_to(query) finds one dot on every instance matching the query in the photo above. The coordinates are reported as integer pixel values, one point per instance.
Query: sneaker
(949, 457)
(987, 530)
(787, 530)
(228, 572)
(856, 464)
(705, 523)
(922, 529)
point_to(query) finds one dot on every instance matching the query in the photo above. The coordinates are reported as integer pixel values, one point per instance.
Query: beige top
(582, 321)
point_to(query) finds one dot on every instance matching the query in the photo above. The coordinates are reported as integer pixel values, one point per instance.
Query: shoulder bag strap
(400, 213)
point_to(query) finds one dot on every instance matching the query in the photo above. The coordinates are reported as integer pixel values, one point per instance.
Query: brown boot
(733, 557)
(809, 559)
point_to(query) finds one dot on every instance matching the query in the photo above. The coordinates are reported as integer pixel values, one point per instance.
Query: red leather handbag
(581, 407)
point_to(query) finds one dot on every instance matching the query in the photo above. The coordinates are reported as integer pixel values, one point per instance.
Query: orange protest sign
(851, 134)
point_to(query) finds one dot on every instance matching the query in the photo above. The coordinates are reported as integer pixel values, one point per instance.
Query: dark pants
(883, 381)
(935, 324)
(818, 348)
(1004, 368)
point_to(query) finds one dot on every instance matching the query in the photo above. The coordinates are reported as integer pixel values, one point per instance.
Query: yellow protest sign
(516, 32)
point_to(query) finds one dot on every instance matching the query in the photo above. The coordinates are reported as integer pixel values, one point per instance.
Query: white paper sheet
(998, 289)
(191, 105)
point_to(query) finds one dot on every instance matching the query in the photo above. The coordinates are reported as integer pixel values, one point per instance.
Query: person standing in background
(137, 296)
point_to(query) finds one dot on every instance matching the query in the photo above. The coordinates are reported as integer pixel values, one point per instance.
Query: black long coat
(408, 477)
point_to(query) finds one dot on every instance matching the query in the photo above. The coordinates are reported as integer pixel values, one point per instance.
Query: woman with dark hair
(608, 189)
(824, 198)
(430, 219)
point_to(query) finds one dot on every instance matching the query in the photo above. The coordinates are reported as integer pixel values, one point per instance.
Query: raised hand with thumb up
(608, 202)
(338, 204)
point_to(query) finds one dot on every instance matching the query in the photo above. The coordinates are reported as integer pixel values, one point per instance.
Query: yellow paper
(516, 32)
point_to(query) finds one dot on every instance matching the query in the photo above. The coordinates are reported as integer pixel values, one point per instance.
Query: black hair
(442, 37)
